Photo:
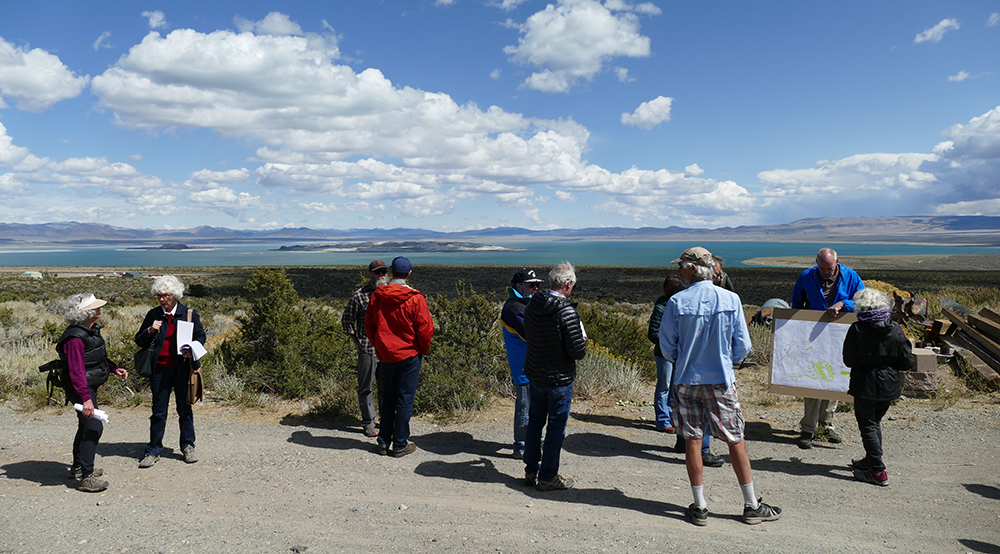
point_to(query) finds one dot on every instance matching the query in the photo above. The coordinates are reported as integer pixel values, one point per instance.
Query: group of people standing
(84, 354)
(697, 327)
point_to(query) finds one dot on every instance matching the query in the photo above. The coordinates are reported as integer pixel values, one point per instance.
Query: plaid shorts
(720, 404)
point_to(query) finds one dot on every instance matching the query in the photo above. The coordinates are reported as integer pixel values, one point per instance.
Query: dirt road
(288, 484)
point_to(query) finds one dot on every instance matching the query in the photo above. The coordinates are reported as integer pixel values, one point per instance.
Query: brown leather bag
(196, 384)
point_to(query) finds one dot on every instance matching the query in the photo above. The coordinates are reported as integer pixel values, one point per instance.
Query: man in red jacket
(399, 325)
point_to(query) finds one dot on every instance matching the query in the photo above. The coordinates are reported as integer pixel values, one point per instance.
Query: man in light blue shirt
(702, 332)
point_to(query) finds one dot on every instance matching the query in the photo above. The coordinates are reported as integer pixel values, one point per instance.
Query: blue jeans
(162, 382)
(551, 404)
(664, 393)
(399, 380)
(521, 403)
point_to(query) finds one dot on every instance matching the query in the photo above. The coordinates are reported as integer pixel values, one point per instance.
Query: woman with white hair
(171, 370)
(876, 350)
(81, 348)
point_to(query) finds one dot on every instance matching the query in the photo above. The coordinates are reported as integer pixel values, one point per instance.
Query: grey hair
(168, 284)
(72, 312)
(561, 276)
(866, 300)
(701, 273)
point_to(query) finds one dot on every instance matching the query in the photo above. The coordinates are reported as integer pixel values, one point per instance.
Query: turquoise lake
(532, 253)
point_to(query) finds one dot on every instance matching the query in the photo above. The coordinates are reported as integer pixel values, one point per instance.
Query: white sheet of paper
(185, 333)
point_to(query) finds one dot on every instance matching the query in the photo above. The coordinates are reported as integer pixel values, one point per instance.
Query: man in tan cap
(701, 333)
(353, 322)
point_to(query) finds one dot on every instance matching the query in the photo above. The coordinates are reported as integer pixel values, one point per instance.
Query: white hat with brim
(91, 302)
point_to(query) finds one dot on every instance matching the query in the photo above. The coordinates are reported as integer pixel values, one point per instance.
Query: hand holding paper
(185, 332)
(99, 414)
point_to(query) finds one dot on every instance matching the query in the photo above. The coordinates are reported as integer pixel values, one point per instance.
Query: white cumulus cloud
(156, 19)
(99, 43)
(35, 79)
(993, 20)
(936, 33)
(649, 114)
(959, 77)
(573, 40)
(274, 23)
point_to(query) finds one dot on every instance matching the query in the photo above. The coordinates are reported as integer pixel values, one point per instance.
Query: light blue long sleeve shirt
(702, 332)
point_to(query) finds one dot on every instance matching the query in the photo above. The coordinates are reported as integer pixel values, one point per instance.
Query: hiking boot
(370, 431)
(805, 441)
(558, 483)
(148, 461)
(189, 457)
(699, 516)
(76, 472)
(763, 513)
(410, 448)
(880, 478)
(530, 478)
(829, 435)
(711, 460)
(861, 464)
(383, 449)
(93, 484)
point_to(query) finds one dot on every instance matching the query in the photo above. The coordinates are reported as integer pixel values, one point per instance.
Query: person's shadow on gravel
(306, 438)
(614, 421)
(483, 470)
(132, 450)
(986, 491)
(980, 546)
(603, 446)
(795, 466)
(45, 473)
(448, 443)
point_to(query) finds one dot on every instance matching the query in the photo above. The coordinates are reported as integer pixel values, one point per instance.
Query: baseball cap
(525, 276)
(401, 265)
(376, 264)
(696, 255)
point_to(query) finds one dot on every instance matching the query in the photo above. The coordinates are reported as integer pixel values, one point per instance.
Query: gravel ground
(272, 483)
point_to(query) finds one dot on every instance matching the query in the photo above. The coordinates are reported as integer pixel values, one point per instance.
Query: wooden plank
(989, 314)
(991, 348)
(992, 366)
(986, 327)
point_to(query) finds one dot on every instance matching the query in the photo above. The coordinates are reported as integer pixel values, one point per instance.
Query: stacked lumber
(979, 335)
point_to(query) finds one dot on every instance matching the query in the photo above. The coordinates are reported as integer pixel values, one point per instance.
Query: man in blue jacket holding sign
(828, 286)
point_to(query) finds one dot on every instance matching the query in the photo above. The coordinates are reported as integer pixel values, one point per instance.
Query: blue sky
(463, 114)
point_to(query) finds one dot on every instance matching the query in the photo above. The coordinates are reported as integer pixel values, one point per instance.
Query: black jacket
(555, 340)
(876, 353)
(143, 338)
(95, 354)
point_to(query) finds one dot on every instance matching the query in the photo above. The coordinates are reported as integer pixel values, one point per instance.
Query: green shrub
(623, 336)
(602, 374)
(467, 361)
(283, 346)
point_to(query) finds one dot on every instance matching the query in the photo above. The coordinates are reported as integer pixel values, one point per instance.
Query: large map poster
(807, 357)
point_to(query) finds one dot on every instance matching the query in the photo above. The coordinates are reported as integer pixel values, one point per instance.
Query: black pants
(869, 414)
(88, 434)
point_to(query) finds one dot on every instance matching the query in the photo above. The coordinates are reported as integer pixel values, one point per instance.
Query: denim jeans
(664, 393)
(162, 382)
(521, 403)
(396, 401)
(546, 405)
(869, 414)
(88, 435)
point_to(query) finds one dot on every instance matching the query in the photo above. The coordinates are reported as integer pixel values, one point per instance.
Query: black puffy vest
(95, 355)
(555, 340)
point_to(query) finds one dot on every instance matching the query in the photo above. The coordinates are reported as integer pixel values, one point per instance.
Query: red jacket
(398, 323)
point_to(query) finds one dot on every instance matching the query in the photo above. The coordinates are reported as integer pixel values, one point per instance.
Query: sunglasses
(381, 271)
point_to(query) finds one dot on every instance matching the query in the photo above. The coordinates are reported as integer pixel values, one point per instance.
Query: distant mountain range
(977, 230)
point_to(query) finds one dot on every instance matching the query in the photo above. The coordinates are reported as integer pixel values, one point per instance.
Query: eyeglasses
(164, 295)
(531, 285)
(381, 271)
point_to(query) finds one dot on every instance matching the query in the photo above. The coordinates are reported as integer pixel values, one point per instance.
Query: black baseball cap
(377, 264)
(525, 276)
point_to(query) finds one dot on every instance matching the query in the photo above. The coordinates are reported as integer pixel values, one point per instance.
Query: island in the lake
(397, 247)
(171, 246)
